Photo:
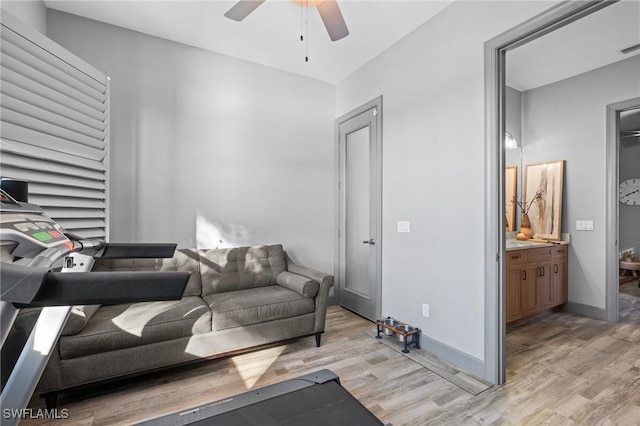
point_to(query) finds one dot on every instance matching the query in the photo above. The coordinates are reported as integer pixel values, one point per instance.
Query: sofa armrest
(322, 299)
(305, 286)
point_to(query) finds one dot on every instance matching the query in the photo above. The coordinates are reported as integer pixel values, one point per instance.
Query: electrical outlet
(425, 310)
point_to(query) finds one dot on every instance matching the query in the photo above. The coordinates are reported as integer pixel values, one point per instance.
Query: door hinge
(375, 112)
(497, 257)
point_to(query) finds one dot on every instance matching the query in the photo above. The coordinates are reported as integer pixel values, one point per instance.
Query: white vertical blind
(54, 128)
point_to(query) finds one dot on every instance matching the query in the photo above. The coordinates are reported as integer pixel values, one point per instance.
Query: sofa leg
(318, 336)
(51, 400)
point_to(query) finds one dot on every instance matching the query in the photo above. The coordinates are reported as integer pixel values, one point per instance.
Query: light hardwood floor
(563, 369)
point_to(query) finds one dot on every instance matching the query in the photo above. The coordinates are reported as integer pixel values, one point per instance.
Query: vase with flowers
(525, 224)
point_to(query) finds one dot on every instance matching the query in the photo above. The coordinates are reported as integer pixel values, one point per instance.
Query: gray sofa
(236, 299)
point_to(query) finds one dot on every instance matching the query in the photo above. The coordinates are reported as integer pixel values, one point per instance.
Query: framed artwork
(546, 213)
(510, 187)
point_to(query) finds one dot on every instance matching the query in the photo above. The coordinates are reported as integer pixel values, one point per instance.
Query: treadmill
(315, 399)
(45, 267)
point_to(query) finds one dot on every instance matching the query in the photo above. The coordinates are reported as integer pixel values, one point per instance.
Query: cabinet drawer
(515, 257)
(559, 251)
(539, 254)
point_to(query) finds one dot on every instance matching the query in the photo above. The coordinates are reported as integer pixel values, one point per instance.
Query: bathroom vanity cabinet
(537, 280)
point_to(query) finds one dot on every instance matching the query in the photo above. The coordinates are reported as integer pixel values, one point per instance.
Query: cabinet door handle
(542, 271)
(523, 275)
(555, 268)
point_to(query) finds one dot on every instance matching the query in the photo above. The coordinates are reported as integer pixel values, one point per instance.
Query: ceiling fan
(328, 9)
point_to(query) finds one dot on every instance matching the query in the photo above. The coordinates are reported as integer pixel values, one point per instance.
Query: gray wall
(513, 113)
(567, 120)
(31, 12)
(432, 84)
(207, 148)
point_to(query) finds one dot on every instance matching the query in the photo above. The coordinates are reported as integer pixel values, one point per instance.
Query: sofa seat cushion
(134, 324)
(256, 305)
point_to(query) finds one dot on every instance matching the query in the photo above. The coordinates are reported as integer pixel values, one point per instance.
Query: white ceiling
(589, 43)
(271, 34)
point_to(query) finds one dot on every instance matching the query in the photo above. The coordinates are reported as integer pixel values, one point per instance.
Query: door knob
(371, 241)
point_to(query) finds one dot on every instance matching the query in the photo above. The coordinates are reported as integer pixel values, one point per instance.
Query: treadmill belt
(321, 404)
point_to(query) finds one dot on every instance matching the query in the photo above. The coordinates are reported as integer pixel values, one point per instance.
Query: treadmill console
(28, 226)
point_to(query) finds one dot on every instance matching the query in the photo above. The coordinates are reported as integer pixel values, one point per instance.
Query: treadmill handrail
(138, 250)
(109, 288)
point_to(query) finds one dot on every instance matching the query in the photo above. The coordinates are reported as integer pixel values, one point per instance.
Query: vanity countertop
(513, 244)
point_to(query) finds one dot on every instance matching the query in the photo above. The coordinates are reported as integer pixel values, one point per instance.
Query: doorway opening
(623, 154)
(495, 271)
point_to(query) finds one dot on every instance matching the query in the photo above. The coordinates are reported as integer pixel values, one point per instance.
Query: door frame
(495, 265)
(612, 232)
(376, 195)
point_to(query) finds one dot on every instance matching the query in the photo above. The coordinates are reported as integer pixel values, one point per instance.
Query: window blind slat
(29, 98)
(44, 55)
(9, 147)
(31, 163)
(51, 178)
(27, 84)
(42, 78)
(66, 213)
(44, 189)
(83, 223)
(46, 44)
(15, 132)
(53, 123)
(37, 63)
(47, 201)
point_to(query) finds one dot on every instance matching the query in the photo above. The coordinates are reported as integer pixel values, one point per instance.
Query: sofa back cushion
(240, 268)
(182, 260)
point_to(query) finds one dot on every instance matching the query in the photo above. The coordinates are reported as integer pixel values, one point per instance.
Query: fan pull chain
(306, 43)
(304, 28)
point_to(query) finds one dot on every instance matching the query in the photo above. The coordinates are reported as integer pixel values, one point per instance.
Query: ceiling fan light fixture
(306, 3)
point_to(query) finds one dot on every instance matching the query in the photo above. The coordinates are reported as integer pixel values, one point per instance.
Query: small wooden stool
(632, 266)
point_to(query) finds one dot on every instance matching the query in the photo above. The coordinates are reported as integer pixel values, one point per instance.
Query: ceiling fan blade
(242, 9)
(333, 20)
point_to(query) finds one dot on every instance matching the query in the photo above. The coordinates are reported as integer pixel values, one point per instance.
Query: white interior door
(359, 224)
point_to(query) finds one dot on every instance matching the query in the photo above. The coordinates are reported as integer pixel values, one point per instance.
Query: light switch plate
(404, 226)
(584, 225)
